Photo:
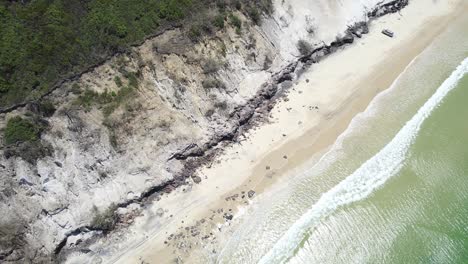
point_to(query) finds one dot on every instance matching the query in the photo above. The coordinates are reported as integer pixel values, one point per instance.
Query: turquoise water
(431, 190)
(403, 205)
(393, 188)
(420, 215)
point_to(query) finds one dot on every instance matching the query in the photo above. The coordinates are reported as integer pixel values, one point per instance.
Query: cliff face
(139, 124)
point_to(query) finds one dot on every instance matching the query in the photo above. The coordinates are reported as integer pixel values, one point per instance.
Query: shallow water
(393, 188)
(407, 204)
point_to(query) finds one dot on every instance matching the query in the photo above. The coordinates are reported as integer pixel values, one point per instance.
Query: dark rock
(251, 193)
(348, 39)
(192, 150)
(385, 8)
(229, 217)
(245, 114)
(85, 250)
(285, 77)
(358, 29)
(23, 181)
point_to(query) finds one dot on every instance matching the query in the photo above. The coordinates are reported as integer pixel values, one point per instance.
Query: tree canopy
(42, 41)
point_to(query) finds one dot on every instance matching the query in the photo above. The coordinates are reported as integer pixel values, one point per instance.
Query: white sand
(341, 86)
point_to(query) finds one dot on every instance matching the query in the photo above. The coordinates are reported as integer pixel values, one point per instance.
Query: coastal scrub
(21, 130)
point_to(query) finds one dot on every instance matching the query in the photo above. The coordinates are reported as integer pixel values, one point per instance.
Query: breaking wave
(366, 179)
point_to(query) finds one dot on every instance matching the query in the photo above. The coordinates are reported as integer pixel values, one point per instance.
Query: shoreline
(299, 131)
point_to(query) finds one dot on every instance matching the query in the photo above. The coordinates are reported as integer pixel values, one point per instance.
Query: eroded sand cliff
(174, 104)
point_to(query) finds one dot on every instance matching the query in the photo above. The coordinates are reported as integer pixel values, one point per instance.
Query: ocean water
(407, 204)
(392, 189)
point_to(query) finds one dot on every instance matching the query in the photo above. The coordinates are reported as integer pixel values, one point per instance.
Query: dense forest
(44, 41)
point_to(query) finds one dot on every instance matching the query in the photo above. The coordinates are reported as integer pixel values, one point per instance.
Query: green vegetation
(44, 41)
(254, 11)
(21, 130)
(117, 99)
(132, 79)
(235, 21)
(254, 14)
(237, 4)
(109, 100)
(195, 32)
(219, 21)
(118, 81)
(22, 138)
(46, 108)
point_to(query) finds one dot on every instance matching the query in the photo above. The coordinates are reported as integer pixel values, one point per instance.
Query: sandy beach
(196, 220)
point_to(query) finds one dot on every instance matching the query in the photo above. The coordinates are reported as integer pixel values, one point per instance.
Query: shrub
(209, 112)
(132, 79)
(221, 4)
(254, 14)
(108, 100)
(266, 6)
(210, 66)
(29, 151)
(195, 32)
(86, 99)
(218, 21)
(46, 108)
(212, 83)
(304, 47)
(21, 130)
(238, 5)
(235, 21)
(118, 81)
(221, 105)
(105, 220)
(75, 89)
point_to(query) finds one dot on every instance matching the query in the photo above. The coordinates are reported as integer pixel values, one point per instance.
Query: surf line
(370, 176)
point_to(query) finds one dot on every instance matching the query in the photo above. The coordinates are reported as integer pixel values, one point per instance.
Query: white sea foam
(366, 179)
